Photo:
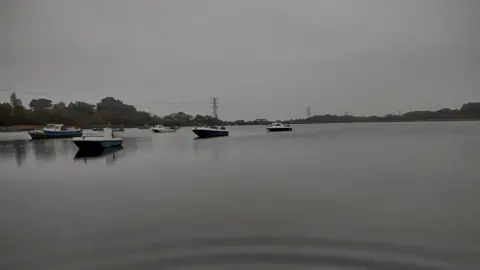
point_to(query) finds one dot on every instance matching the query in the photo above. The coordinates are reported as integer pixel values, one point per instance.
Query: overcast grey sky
(262, 58)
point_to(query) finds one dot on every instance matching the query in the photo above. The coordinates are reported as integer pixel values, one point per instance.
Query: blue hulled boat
(52, 131)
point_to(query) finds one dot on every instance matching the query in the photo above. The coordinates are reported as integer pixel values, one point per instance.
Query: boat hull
(205, 133)
(83, 154)
(63, 132)
(49, 135)
(279, 129)
(163, 130)
(94, 146)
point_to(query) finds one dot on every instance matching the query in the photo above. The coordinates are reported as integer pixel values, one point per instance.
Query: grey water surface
(333, 196)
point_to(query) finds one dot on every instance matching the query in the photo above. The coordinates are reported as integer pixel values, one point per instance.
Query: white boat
(276, 127)
(98, 143)
(162, 129)
(208, 132)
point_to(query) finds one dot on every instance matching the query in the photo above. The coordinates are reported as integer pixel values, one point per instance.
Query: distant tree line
(108, 110)
(469, 111)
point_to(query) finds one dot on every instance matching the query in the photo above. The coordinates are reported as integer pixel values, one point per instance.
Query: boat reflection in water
(207, 147)
(14, 150)
(110, 154)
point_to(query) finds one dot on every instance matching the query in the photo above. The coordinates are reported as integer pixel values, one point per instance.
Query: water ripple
(302, 251)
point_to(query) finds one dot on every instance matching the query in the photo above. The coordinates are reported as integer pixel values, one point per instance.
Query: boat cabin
(54, 127)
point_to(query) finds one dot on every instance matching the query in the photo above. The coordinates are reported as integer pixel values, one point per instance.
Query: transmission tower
(215, 106)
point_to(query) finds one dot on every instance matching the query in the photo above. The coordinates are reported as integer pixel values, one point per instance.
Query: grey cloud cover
(262, 58)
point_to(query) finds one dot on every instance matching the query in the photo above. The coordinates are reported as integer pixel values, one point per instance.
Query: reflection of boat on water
(45, 149)
(14, 150)
(109, 154)
(52, 131)
(206, 147)
(88, 154)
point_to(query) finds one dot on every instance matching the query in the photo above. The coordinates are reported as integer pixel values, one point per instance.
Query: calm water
(344, 196)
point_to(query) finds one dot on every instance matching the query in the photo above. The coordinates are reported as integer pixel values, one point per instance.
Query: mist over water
(340, 196)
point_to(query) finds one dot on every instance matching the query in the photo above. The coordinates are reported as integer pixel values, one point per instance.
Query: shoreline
(25, 128)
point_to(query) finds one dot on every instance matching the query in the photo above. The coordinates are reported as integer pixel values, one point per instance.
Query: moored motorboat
(98, 143)
(163, 129)
(51, 131)
(212, 131)
(276, 127)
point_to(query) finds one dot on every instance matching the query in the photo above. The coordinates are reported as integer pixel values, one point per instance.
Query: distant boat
(120, 129)
(51, 131)
(144, 127)
(276, 127)
(212, 131)
(163, 129)
(98, 143)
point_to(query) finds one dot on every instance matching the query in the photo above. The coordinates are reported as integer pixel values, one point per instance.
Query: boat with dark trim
(212, 131)
(98, 143)
(276, 127)
(52, 131)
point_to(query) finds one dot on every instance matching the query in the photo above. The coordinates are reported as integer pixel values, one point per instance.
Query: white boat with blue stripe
(98, 143)
(52, 131)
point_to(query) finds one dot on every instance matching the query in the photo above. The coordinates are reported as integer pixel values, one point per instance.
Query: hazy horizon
(263, 59)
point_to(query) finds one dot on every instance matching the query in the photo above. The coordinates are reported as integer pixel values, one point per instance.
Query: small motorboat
(163, 129)
(98, 143)
(52, 131)
(209, 132)
(276, 127)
